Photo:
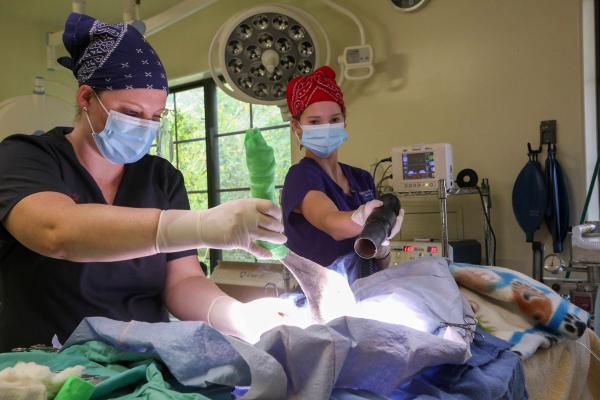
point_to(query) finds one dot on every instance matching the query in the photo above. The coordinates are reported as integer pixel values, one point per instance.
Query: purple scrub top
(304, 238)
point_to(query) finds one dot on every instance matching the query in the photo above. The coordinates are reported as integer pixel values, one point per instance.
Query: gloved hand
(360, 215)
(250, 320)
(384, 249)
(397, 226)
(232, 225)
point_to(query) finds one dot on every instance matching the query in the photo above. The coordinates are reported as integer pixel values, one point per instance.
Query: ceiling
(50, 15)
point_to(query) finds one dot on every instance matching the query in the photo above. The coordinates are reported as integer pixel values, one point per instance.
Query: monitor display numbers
(418, 165)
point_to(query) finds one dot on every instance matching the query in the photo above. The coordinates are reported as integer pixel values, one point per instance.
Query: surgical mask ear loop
(89, 121)
(297, 136)
(88, 117)
(100, 101)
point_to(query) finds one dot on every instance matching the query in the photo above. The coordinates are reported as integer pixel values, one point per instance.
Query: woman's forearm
(339, 225)
(190, 298)
(51, 224)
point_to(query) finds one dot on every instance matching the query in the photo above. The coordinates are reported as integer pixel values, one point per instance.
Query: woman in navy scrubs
(325, 203)
(94, 226)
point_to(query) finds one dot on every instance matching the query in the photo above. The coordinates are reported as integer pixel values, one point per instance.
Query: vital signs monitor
(420, 167)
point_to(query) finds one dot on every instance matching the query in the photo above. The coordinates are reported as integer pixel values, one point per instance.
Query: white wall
(24, 57)
(480, 75)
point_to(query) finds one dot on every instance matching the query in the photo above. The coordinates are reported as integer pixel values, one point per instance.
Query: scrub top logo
(366, 195)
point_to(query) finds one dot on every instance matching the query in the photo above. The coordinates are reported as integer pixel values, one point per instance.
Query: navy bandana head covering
(110, 56)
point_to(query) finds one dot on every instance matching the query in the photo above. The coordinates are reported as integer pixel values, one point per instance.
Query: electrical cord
(380, 185)
(589, 193)
(383, 178)
(388, 159)
(588, 349)
(587, 200)
(488, 221)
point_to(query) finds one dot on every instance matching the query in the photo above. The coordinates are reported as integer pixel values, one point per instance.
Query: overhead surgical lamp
(258, 51)
(254, 55)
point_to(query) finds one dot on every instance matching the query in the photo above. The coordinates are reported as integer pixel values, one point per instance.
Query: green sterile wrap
(75, 388)
(260, 160)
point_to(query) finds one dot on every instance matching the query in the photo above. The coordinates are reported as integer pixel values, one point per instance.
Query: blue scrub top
(303, 237)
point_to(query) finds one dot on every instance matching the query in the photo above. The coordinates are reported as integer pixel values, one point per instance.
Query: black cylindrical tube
(378, 226)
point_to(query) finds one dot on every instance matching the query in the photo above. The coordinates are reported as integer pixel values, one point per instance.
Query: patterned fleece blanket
(517, 308)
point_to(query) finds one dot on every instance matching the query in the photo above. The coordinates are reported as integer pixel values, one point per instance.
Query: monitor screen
(418, 165)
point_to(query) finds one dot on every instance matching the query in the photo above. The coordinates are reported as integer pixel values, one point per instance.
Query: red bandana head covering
(319, 85)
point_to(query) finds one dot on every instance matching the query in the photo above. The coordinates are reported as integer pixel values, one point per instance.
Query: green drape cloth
(115, 374)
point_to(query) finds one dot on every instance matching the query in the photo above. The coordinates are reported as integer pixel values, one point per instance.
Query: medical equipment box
(467, 251)
(249, 281)
(420, 167)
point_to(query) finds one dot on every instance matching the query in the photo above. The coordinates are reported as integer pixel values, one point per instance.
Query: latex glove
(250, 320)
(232, 225)
(384, 249)
(360, 215)
(397, 226)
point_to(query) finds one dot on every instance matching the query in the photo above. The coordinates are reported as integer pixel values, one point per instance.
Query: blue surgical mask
(323, 139)
(124, 139)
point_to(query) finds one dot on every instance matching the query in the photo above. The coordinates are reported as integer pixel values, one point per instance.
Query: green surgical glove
(260, 161)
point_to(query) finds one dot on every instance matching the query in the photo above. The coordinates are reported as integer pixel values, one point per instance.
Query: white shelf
(454, 191)
(458, 191)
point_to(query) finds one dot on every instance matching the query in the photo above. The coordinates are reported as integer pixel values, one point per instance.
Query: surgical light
(260, 50)
(254, 55)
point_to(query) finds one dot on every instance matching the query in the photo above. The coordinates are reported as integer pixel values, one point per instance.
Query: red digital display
(408, 248)
(432, 249)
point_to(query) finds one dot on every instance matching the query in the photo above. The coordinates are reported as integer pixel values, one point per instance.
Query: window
(203, 136)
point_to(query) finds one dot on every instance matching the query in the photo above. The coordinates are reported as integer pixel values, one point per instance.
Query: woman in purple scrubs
(325, 203)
